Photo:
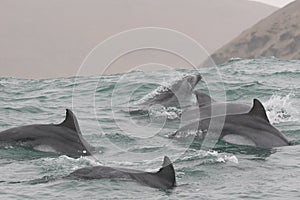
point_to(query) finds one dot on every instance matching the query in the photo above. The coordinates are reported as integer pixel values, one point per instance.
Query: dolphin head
(186, 82)
(183, 88)
(192, 79)
(176, 93)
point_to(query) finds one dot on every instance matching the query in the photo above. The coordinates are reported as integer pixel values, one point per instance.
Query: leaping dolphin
(163, 179)
(208, 107)
(64, 138)
(178, 94)
(251, 129)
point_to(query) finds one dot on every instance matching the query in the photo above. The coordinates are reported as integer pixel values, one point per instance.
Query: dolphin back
(203, 99)
(259, 110)
(71, 122)
(163, 179)
(167, 173)
(249, 129)
(64, 138)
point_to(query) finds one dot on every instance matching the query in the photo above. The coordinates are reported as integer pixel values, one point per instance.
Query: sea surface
(140, 140)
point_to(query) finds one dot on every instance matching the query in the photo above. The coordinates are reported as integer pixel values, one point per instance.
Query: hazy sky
(42, 38)
(277, 3)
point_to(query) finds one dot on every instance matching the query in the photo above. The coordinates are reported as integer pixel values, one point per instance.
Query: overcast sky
(42, 38)
(277, 3)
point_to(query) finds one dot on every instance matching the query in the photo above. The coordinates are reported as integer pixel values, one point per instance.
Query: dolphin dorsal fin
(70, 121)
(258, 110)
(167, 173)
(203, 99)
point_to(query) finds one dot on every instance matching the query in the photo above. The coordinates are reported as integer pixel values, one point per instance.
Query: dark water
(140, 142)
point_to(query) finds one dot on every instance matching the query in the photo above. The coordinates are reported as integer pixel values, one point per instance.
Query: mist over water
(139, 141)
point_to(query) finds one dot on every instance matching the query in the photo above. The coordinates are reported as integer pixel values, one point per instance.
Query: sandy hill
(277, 35)
(42, 38)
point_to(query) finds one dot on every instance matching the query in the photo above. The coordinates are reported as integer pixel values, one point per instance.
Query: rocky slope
(277, 35)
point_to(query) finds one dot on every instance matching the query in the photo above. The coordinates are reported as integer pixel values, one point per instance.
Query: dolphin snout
(198, 77)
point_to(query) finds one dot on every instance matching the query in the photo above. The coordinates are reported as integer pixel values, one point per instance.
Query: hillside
(277, 35)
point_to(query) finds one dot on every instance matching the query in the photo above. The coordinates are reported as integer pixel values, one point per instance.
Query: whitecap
(281, 108)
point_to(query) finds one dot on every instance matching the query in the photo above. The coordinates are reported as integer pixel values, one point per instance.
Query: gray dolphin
(251, 129)
(177, 94)
(207, 105)
(64, 138)
(203, 99)
(163, 179)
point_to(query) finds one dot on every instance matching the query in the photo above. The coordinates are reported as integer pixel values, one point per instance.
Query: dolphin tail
(167, 173)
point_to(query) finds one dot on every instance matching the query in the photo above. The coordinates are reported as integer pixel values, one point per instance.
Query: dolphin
(163, 179)
(250, 129)
(203, 99)
(178, 94)
(64, 138)
(208, 107)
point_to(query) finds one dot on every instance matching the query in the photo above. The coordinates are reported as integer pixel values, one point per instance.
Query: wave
(24, 109)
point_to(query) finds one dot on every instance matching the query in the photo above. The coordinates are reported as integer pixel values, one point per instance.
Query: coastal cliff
(277, 35)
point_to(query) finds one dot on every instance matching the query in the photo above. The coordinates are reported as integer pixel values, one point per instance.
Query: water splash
(169, 112)
(52, 164)
(211, 156)
(223, 157)
(281, 108)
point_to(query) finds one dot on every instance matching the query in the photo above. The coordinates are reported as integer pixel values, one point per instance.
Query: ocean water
(140, 140)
